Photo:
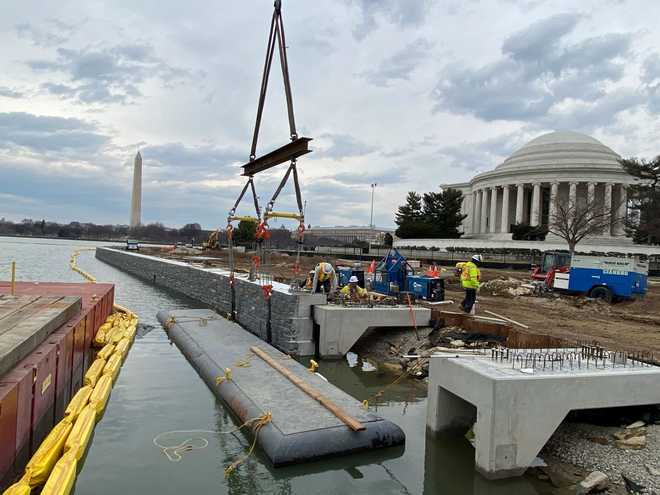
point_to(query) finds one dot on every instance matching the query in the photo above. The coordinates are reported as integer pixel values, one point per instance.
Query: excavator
(212, 241)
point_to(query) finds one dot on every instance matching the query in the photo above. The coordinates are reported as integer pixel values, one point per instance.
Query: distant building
(136, 197)
(349, 234)
(524, 189)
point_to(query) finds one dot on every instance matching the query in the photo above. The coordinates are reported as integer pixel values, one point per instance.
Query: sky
(408, 94)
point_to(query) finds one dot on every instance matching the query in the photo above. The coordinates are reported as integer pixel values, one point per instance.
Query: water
(157, 390)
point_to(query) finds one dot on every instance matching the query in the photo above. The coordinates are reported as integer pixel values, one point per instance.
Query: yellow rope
(414, 367)
(219, 380)
(258, 425)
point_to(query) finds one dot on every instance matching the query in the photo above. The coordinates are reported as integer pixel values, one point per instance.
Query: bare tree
(573, 221)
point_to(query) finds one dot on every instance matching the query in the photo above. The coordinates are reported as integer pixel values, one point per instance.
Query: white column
(492, 228)
(477, 212)
(554, 190)
(535, 215)
(622, 211)
(465, 210)
(591, 193)
(607, 206)
(505, 209)
(484, 211)
(520, 198)
(572, 194)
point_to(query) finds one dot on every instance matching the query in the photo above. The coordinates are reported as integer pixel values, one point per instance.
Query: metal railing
(10, 266)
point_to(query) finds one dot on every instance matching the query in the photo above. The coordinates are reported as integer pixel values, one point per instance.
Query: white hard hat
(353, 280)
(478, 258)
(327, 268)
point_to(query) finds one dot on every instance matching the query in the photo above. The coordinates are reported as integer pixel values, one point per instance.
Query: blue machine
(344, 274)
(426, 288)
(391, 273)
(604, 277)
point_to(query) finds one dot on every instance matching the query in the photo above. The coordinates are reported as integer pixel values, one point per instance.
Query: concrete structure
(286, 316)
(340, 327)
(136, 196)
(301, 428)
(349, 234)
(556, 167)
(517, 404)
(585, 246)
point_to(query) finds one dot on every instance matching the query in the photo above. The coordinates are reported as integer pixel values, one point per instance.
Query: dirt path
(633, 325)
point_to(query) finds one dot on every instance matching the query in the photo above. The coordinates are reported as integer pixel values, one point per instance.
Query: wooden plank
(23, 330)
(10, 304)
(508, 319)
(350, 421)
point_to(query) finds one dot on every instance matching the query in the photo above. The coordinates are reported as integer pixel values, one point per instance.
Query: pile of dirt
(507, 287)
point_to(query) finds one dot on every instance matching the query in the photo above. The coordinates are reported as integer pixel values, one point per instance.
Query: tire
(603, 293)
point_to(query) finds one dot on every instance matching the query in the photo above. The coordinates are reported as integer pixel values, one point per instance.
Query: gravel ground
(574, 443)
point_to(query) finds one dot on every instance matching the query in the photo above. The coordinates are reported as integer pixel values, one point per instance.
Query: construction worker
(325, 278)
(470, 278)
(353, 290)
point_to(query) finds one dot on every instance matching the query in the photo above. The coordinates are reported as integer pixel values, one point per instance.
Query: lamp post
(371, 221)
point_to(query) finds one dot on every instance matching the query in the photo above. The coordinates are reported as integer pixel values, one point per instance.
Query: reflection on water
(158, 391)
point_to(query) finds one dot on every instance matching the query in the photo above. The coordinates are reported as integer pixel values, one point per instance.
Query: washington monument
(136, 197)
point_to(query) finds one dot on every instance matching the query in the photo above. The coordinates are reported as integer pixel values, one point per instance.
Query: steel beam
(283, 154)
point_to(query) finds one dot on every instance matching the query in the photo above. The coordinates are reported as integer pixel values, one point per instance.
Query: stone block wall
(290, 313)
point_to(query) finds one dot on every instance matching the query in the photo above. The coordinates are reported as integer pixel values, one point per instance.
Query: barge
(46, 334)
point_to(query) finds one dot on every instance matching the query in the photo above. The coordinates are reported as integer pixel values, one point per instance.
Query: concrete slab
(26, 321)
(518, 399)
(342, 326)
(301, 429)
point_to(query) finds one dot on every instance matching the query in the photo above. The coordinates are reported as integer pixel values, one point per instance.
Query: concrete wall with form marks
(291, 320)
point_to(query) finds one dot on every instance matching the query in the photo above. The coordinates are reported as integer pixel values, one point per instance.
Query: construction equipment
(600, 277)
(393, 275)
(289, 152)
(552, 261)
(212, 240)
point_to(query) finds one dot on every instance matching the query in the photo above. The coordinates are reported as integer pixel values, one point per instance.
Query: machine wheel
(601, 292)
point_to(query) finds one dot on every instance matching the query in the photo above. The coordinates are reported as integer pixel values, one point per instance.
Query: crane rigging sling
(289, 152)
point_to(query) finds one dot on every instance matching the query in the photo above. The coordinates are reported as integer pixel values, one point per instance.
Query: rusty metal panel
(289, 151)
(8, 418)
(22, 379)
(43, 362)
(77, 379)
(90, 332)
(64, 367)
(78, 342)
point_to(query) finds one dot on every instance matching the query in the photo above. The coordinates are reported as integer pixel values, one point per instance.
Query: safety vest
(322, 275)
(470, 275)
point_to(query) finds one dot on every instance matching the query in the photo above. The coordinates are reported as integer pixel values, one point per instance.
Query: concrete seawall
(285, 320)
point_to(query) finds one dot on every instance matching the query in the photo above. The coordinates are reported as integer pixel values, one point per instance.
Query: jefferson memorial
(559, 166)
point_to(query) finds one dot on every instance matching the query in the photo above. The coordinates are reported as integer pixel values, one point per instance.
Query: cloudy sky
(406, 93)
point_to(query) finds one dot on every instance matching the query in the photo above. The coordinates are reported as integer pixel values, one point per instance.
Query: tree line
(156, 232)
(432, 215)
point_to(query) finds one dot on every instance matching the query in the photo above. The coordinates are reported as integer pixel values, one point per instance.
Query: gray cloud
(540, 37)
(651, 69)
(106, 75)
(537, 72)
(42, 134)
(401, 64)
(188, 161)
(343, 146)
(53, 32)
(10, 93)
(402, 13)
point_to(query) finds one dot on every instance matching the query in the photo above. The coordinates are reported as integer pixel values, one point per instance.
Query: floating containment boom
(302, 427)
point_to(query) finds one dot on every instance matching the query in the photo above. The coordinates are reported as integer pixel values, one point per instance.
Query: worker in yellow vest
(353, 291)
(325, 278)
(470, 280)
